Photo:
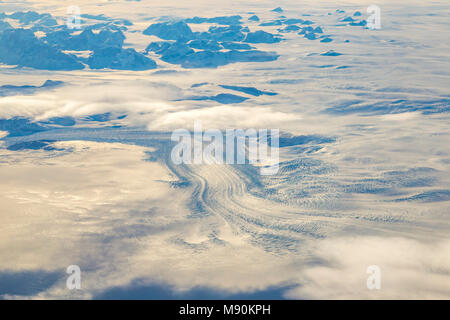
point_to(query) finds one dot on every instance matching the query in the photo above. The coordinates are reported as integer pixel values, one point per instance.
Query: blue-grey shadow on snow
(137, 291)
(27, 283)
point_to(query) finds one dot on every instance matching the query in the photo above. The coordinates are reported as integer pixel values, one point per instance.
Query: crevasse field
(86, 177)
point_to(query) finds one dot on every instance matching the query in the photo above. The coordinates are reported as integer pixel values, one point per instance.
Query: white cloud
(145, 103)
(409, 269)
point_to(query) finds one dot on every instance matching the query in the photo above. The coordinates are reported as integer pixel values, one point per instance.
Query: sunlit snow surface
(87, 179)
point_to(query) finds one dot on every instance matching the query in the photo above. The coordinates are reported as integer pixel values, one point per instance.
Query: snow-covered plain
(87, 179)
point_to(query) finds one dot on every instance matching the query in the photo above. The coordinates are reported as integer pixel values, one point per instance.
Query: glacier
(87, 177)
